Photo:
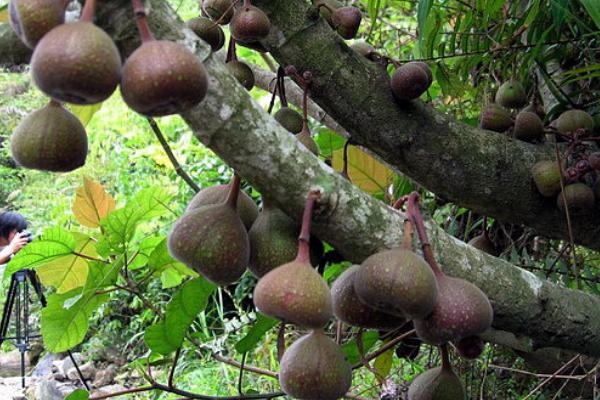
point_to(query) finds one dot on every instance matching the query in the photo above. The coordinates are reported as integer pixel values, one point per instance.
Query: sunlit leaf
(262, 325)
(4, 13)
(383, 363)
(92, 203)
(85, 113)
(365, 171)
(78, 394)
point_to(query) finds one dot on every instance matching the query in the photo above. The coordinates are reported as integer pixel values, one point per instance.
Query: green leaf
(170, 270)
(86, 112)
(120, 225)
(350, 348)
(593, 8)
(383, 363)
(4, 13)
(65, 320)
(167, 335)
(262, 325)
(329, 141)
(53, 244)
(78, 394)
(146, 247)
(423, 10)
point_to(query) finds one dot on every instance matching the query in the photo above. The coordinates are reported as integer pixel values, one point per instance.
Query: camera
(27, 235)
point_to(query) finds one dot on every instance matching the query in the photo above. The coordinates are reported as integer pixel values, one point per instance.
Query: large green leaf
(262, 325)
(350, 348)
(167, 335)
(593, 8)
(329, 141)
(423, 11)
(171, 271)
(52, 245)
(120, 225)
(78, 394)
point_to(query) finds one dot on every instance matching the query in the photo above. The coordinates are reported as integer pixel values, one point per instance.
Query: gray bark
(235, 127)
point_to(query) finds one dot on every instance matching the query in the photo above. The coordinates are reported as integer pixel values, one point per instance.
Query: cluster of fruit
(78, 63)
(388, 289)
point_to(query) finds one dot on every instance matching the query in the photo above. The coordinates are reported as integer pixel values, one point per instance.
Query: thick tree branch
(238, 130)
(12, 51)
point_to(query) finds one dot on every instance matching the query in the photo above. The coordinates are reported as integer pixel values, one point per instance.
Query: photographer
(13, 236)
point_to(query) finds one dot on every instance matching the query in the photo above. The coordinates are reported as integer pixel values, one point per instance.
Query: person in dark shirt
(13, 236)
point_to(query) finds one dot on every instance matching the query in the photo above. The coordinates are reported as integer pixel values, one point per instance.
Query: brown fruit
(425, 67)
(594, 160)
(325, 12)
(528, 127)
(470, 347)
(482, 242)
(348, 308)
(306, 139)
(206, 30)
(32, 19)
(273, 240)
(162, 78)
(536, 108)
(314, 367)
(461, 310)
(249, 24)
(363, 48)
(579, 197)
(546, 175)
(294, 292)
(242, 73)
(409, 81)
(495, 118)
(397, 282)
(511, 95)
(218, 10)
(246, 207)
(571, 120)
(212, 240)
(436, 384)
(346, 21)
(50, 139)
(76, 63)
(289, 119)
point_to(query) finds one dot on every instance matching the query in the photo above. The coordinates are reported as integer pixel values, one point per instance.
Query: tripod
(18, 299)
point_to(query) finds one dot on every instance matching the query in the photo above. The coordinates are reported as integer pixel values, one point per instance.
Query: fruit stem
(231, 53)
(415, 214)
(55, 103)
(140, 20)
(345, 167)
(89, 10)
(304, 238)
(234, 191)
(323, 4)
(407, 238)
(281, 85)
(446, 366)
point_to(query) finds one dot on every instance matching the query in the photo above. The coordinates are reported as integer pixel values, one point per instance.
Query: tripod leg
(78, 370)
(8, 306)
(37, 286)
(22, 350)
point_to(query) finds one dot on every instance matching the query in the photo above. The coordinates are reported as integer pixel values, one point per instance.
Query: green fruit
(294, 292)
(570, 121)
(495, 118)
(246, 207)
(409, 81)
(315, 368)
(511, 95)
(213, 241)
(242, 73)
(206, 30)
(289, 119)
(249, 24)
(528, 127)
(483, 243)
(348, 308)
(50, 139)
(397, 282)
(162, 78)
(273, 240)
(579, 197)
(219, 10)
(32, 19)
(363, 48)
(546, 175)
(461, 310)
(436, 384)
(306, 139)
(76, 63)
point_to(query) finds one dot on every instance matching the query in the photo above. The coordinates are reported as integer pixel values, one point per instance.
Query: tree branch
(12, 51)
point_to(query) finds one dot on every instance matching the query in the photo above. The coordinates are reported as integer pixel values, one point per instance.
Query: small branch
(248, 368)
(178, 169)
(172, 372)
(383, 349)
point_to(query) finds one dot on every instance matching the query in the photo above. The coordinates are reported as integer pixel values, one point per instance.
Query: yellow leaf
(4, 13)
(69, 272)
(383, 363)
(86, 112)
(365, 171)
(92, 203)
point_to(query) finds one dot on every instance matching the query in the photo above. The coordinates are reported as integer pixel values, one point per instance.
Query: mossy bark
(237, 129)
(13, 51)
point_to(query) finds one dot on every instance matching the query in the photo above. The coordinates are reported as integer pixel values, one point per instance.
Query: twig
(178, 169)
(545, 381)
(383, 348)
(172, 372)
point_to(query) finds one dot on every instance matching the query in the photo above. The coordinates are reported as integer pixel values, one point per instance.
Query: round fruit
(363, 48)
(306, 139)
(50, 139)
(163, 77)
(206, 30)
(314, 367)
(482, 242)
(409, 81)
(32, 19)
(579, 197)
(289, 119)
(511, 95)
(242, 73)
(570, 121)
(495, 118)
(219, 10)
(249, 24)
(76, 63)
(436, 384)
(528, 127)
(546, 175)
(346, 21)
